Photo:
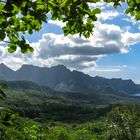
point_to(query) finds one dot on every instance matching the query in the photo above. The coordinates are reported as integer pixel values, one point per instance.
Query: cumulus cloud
(131, 38)
(102, 5)
(76, 62)
(81, 53)
(72, 51)
(107, 39)
(106, 15)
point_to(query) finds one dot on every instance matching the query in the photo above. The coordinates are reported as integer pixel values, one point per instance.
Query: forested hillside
(37, 112)
(31, 112)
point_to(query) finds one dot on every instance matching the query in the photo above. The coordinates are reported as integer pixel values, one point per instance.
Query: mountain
(61, 78)
(22, 85)
(6, 73)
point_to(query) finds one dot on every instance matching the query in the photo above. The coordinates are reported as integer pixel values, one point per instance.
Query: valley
(70, 106)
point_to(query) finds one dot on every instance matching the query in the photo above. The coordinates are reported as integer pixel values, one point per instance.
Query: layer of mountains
(60, 78)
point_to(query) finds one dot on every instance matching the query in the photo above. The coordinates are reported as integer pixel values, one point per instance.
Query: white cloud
(102, 5)
(107, 70)
(105, 15)
(130, 19)
(72, 51)
(112, 69)
(123, 71)
(131, 38)
(103, 70)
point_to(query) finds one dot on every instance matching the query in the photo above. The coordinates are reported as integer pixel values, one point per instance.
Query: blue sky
(113, 51)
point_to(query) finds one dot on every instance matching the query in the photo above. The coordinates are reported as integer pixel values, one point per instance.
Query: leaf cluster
(20, 16)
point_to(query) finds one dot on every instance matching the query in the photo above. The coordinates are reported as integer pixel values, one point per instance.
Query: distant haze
(61, 78)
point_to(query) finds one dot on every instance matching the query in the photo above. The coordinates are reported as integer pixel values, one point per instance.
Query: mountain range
(60, 78)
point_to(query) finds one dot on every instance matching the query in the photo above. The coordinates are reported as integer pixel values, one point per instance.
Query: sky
(113, 51)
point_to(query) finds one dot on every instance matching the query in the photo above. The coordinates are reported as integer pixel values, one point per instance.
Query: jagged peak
(120, 79)
(5, 67)
(59, 67)
(27, 66)
(33, 66)
(117, 79)
(99, 77)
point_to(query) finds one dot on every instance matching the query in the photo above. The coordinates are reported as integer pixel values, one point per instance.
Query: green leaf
(1, 6)
(12, 47)
(131, 3)
(128, 10)
(96, 11)
(89, 20)
(93, 1)
(2, 35)
(65, 3)
(30, 49)
(138, 2)
(15, 9)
